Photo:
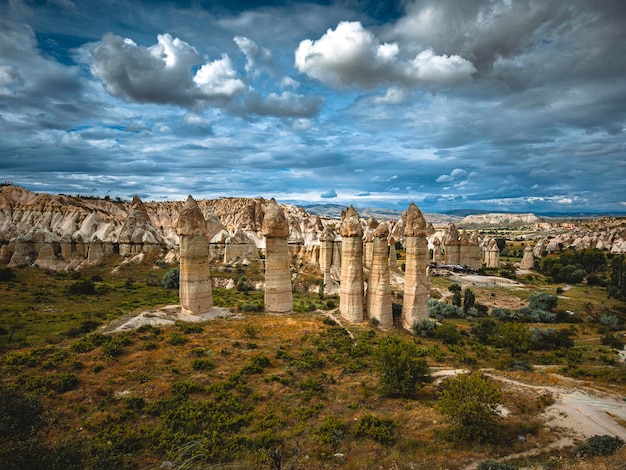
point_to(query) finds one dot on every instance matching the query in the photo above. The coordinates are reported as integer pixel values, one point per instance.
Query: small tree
(471, 402)
(542, 301)
(171, 279)
(402, 370)
(515, 337)
(469, 299)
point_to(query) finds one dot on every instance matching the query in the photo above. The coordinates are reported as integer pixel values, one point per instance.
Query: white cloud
(256, 56)
(218, 79)
(162, 73)
(454, 175)
(350, 55)
(330, 194)
(393, 95)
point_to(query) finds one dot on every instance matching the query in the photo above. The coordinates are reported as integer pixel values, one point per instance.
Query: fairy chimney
(351, 289)
(379, 287)
(278, 296)
(416, 286)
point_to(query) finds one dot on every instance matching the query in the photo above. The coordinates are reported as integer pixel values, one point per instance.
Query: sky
(496, 105)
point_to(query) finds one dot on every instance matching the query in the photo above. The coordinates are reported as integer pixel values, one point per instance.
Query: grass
(232, 389)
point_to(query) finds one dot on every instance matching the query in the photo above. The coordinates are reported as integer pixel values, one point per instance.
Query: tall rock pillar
(437, 255)
(196, 294)
(475, 253)
(327, 239)
(528, 261)
(278, 296)
(351, 289)
(379, 287)
(416, 286)
(464, 249)
(451, 243)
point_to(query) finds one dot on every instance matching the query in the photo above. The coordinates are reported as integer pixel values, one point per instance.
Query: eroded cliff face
(66, 232)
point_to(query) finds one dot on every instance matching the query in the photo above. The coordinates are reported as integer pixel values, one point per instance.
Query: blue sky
(487, 104)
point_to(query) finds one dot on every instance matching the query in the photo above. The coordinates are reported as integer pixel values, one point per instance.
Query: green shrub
(425, 328)
(401, 369)
(495, 465)
(256, 365)
(7, 275)
(600, 445)
(448, 333)
(176, 339)
(202, 364)
(332, 431)
(382, 430)
(542, 301)
(171, 280)
(471, 402)
(86, 287)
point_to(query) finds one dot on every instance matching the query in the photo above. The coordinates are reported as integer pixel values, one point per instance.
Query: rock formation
(278, 296)
(137, 233)
(351, 289)
(240, 247)
(492, 255)
(196, 294)
(475, 255)
(378, 286)
(451, 245)
(393, 255)
(464, 249)
(416, 286)
(327, 239)
(437, 253)
(528, 261)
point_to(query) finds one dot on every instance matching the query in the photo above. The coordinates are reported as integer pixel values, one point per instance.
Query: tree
(456, 299)
(514, 336)
(471, 402)
(402, 370)
(542, 301)
(171, 280)
(469, 299)
(617, 284)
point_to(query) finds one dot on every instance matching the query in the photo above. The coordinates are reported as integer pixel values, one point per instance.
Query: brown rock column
(393, 255)
(327, 239)
(528, 261)
(416, 285)
(278, 296)
(351, 289)
(475, 253)
(195, 292)
(464, 249)
(451, 242)
(437, 254)
(379, 287)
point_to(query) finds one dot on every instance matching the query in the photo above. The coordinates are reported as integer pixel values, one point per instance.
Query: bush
(600, 445)
(401, 370)
(382, 430)
(542, 301)
(332, 431)
(7, 275)
(425, 328)
(171, 280)
(440, 310)
(86, 287)
(202, 364)
(448, 333)
(471, 402)
(495, 465)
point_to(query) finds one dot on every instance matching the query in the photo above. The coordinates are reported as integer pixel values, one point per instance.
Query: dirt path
(578, 413)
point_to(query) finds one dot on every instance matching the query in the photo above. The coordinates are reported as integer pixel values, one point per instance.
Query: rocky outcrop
(351, 289)
(196, 294)
(278, 296)
(437, 252)
(464, 250)
(240, 247)
(393, 255)
(327, 239)
(499, 220)
(137, 233)
(475, 256)
(378, 286)
(416, 285)
(492, 254)
(528, 261)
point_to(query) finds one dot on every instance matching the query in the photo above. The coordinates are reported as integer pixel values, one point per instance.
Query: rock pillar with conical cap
(416, 286)
(351, 289)
(451, 242)
(196, 294)
(278, 296)
(528, 261)
(379, 287)
(327, 239)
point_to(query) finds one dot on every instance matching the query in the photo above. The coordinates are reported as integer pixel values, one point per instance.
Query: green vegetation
(251, 391)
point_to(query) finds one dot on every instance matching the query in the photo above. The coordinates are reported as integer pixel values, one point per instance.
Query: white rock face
(528, 261)
(499, 220)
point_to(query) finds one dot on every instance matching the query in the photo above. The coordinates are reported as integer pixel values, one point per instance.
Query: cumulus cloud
(350, 55)
(162, 73)
(256, 56)
(454, 175)
(393, 95)
(330, 194)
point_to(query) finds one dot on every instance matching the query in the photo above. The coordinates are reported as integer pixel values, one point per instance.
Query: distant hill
(334, 211)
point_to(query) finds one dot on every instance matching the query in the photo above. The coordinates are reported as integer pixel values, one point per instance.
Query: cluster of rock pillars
(356, 303)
